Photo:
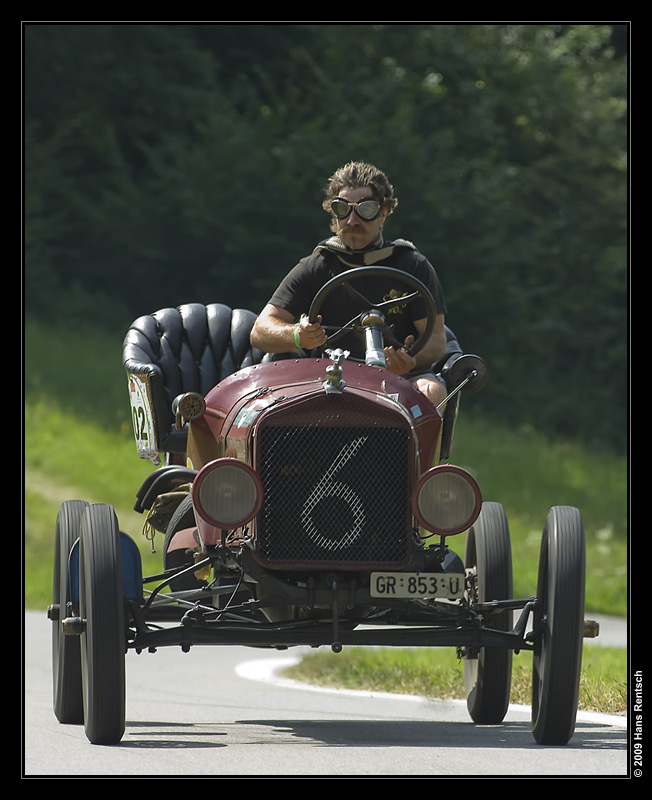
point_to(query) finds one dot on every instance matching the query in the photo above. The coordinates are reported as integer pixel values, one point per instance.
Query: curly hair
(356, 175)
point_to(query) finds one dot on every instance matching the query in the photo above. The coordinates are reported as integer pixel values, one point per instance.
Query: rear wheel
(103, 642)
(66, 652)
(487, 670)
(557, 658)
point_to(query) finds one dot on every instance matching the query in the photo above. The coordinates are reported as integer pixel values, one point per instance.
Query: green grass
(79, 445)
(438, 673)
(72, 459)
(528, 473)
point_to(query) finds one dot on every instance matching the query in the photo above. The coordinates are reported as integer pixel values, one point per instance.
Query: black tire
(557, 658)
(488, 672)
(66, 650)
(182, 518)
(103, 642)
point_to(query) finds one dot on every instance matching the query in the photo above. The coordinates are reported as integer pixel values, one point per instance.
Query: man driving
(359, 198)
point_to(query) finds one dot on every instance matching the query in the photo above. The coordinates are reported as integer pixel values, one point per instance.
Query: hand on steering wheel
(310, 334)
(399, 360)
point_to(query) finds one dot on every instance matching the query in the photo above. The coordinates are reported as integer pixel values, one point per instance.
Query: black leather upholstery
(187, 349)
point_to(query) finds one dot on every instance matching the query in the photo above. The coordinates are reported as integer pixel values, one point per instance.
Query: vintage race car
(307, 500)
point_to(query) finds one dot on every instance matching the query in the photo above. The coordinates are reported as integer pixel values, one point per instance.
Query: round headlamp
(446, 500)
(227, 493)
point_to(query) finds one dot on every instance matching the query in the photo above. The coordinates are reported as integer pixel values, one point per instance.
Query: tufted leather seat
(186, 349)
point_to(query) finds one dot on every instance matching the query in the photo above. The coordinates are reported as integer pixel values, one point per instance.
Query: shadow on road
(357, 733)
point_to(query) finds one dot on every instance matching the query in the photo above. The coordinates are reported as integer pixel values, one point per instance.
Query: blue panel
(132, 572)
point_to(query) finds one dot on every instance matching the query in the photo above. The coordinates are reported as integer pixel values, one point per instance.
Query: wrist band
(296, 338)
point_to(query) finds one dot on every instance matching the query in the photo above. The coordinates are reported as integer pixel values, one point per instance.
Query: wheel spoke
(419, 291)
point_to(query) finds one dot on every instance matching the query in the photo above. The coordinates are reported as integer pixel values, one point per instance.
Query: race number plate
(141, 413)
(388, 585)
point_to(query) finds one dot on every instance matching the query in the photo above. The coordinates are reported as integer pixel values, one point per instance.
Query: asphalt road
(222, 712)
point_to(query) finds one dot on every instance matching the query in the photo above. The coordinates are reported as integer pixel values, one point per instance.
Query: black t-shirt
(299, 287)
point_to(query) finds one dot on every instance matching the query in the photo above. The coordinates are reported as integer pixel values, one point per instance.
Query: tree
(176, 162)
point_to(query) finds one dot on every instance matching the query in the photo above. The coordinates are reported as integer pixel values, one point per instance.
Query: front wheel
(488, 671)
(103, 642)
(66, 652)
(557, 658)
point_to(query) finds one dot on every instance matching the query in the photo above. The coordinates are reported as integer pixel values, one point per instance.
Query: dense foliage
(167, 163)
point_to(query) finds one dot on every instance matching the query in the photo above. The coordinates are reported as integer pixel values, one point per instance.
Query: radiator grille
(335, 494)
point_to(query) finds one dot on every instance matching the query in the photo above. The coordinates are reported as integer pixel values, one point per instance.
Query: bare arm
(275, 330)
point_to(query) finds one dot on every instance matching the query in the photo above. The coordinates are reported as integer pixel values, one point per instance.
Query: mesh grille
(335, 495)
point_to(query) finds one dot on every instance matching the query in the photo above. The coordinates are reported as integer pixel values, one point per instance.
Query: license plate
(448, 586)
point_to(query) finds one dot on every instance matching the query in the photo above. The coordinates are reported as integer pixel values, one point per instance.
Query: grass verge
(438, 673)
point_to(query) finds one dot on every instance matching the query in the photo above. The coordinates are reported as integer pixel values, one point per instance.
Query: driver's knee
(433, 387)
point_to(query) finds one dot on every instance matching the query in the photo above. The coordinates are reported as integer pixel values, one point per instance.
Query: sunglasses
(366, 209)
